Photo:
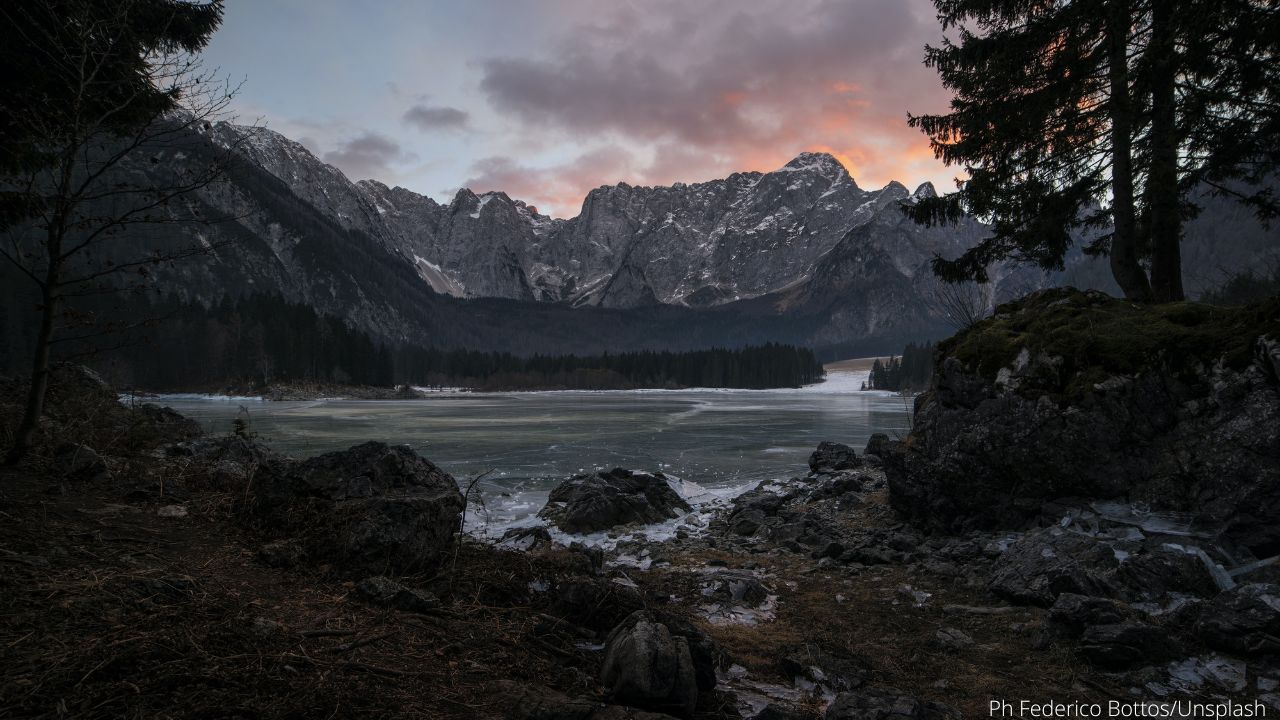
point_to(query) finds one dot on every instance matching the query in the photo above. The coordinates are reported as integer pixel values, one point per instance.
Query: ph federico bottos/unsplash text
(1125, 709)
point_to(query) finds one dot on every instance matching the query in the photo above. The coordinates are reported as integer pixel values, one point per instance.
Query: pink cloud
(704, 89)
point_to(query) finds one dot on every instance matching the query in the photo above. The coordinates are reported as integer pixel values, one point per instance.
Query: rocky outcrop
(602, 500)
(646, 666)
(1079, 397)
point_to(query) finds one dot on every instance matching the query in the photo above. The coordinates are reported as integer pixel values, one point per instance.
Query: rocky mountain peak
(926, 190)
(822, 162)
(895, 190)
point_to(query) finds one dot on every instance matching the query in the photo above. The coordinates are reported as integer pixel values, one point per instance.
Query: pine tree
(88, 88)
(1101, 113)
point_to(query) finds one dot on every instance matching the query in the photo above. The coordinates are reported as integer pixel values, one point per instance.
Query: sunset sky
(546, 99)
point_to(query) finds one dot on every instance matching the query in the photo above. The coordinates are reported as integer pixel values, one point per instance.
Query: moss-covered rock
(1068, 395)
(1098, 337)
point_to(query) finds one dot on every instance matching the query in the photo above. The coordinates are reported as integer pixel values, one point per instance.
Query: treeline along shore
(261, 341)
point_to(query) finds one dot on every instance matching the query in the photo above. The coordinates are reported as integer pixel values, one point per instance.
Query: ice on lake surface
(719, 443)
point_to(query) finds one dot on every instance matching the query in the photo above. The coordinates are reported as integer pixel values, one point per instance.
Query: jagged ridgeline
(263, 339)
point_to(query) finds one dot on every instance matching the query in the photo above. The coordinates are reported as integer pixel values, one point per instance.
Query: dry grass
(109, 611)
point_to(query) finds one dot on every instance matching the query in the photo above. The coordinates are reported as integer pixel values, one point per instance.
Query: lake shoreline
(303, 391)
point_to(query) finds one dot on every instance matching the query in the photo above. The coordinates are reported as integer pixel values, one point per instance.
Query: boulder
(230, 461)
(1244, 620)
(1125, 644)
(735, 586)
(837, 486)
(833, 457)
(706, 655)
(1045, 563)
(371, 508)
(526, 538)
(1154, 571)
(878, 447)
(595, 602)
(819, 667)
(645, 666)
(385, 592)
(363, 471)
(886, 704)
(748, 522)
(1072, 614)
(602, 500)
(952, 639)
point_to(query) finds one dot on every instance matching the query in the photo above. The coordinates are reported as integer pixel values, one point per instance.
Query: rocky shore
(1059, 525)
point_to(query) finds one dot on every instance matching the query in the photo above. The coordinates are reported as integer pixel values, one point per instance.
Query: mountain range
(801, 254)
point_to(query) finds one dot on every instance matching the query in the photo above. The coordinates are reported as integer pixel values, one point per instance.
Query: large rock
(606, 499)
(647, 667)
(878, 447)
(372, 508)
(1244, 620)
(832, 457)
(1069, 394)
(887, 704)
(230, 462)
(1072, 614)
(1125, 644)
(1048, 562)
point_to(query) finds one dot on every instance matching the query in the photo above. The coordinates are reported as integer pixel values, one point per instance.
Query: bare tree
(961, 304)
(105, 143)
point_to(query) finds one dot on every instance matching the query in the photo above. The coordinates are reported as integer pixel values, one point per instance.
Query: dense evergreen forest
(908, 373)
(262, 340)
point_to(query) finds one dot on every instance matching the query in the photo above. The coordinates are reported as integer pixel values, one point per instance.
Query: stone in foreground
(372, 508)
(645, 666)
(602, 500)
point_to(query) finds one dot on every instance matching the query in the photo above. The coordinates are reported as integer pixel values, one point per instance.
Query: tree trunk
(1128, 273)
(26, 433)
(1162, 180)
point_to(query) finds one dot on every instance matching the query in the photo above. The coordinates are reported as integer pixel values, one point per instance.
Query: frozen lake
(718, 442)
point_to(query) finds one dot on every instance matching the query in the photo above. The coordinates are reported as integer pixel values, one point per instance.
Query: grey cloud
(367, 155)
(717, 74)
(427, 117)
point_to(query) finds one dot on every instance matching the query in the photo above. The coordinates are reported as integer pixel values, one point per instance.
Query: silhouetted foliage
(908, 373)
(1244, 287)
(262, 339)
(1102, 114)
